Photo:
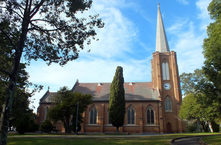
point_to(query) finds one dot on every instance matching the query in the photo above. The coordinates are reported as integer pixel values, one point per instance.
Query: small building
(151, 107)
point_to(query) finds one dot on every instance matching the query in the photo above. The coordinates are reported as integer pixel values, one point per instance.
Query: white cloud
(188, 38)
(106, 54)
(185, 2)
(203, 15)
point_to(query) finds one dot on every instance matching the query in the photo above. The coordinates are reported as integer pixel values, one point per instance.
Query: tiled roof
(138, 91)
(101, 91)
(46, 97)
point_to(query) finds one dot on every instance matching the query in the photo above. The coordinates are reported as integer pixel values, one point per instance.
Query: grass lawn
(213, 140)
(38, 139)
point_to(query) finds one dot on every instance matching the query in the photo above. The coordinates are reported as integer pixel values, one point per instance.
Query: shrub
(33, 126)
(46, 124)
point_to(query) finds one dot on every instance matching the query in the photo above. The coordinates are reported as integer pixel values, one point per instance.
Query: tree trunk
(6, 111)
(117, 129)
(210, 126)
(67, 129)
(204, 125)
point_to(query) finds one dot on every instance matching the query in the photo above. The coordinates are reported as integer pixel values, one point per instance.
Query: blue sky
(128, 40)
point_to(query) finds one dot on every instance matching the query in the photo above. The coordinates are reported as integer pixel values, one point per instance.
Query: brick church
(151, 107)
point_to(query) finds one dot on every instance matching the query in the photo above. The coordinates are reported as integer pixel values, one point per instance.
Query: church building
(151, 107)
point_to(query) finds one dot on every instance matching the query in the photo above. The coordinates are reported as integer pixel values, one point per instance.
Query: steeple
(161, 40)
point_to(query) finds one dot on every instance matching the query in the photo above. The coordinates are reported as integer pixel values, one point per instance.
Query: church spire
(161, 40)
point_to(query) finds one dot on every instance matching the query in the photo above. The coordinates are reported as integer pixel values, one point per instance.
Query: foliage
(46, 124)
(212, 50)
(117, 99)
(26, 123)
(200, 102)
(21, 97)
(191, 127)
(190, 80)
(41, 29)
(192, 110)
(66, 107)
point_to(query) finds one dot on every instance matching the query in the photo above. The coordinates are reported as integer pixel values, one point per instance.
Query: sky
(128, 39)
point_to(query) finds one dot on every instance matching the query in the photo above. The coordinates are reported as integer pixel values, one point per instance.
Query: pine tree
(117, 99)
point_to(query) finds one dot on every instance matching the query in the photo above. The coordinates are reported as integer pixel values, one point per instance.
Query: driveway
(186, 141)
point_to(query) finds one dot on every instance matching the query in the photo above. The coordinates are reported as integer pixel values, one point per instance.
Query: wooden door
(169, 130)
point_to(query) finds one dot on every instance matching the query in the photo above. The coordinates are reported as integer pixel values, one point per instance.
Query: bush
(33, 126)
(191, 128)
(22, 124)
(46, 124)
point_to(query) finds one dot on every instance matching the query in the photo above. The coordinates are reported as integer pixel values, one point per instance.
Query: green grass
(38, 139)
(213, 140)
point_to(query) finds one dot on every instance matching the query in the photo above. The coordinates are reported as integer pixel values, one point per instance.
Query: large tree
(66, 106)
(200, 103)
(195, 108)
(212, 47)
(117, 99)
(42, 29)
(212, 51)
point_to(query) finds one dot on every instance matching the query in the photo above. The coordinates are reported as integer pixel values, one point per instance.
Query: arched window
(130, 115)
(93, 115)
(46, 112)
(165, 70)
(150, 115)
(168, 104)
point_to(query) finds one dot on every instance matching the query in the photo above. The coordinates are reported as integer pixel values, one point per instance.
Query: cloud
(187, 39)
(112, 49)
(185, 2)
(203, 15)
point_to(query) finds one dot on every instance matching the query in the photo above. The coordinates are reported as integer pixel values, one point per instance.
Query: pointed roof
(138, 91)
(161, 40)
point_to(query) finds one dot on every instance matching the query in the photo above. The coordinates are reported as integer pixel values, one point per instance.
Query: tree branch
(6, 72)
(18, 14)
(35, 10)
(43, 21)
(8, 38)
(43, 30)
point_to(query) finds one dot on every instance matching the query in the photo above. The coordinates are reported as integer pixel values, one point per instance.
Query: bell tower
(165, 77)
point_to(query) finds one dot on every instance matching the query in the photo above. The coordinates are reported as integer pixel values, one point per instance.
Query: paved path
(187, 141)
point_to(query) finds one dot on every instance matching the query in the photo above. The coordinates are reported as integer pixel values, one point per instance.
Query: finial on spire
(158, 4)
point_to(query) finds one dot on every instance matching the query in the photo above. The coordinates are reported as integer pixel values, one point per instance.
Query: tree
(42, 29)
(46, 124)
(66, 101)
(190, 80)
(200, 101)
(212, 49)
(212, 52)
(117, 99)
(192, 109)
(21, 97)
(26, 122)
